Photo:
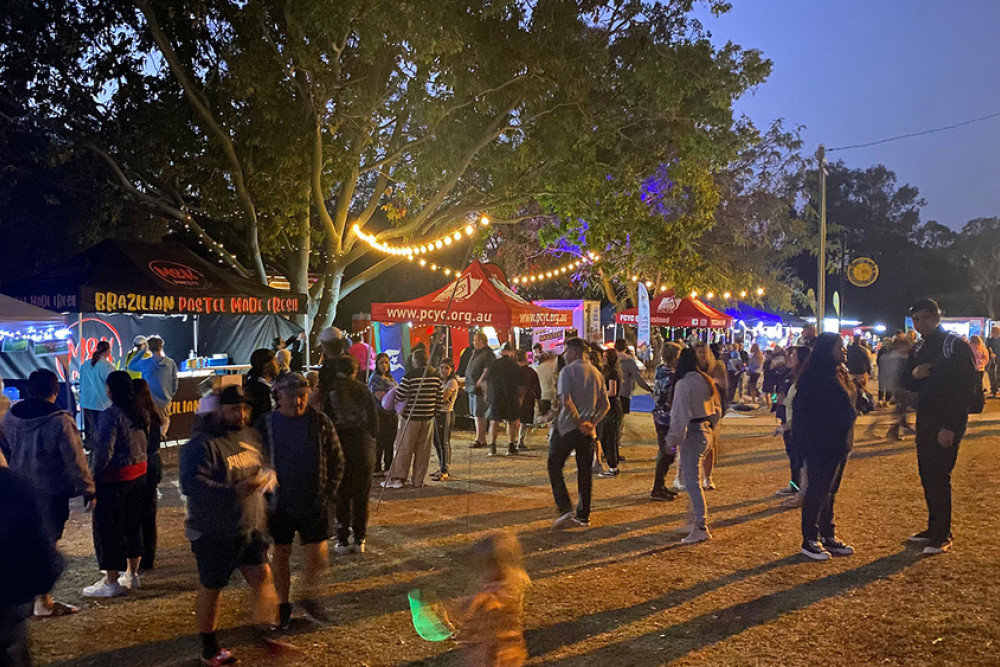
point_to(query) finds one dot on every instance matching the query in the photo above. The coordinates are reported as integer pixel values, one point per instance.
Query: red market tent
(669, 311)
(476, 298)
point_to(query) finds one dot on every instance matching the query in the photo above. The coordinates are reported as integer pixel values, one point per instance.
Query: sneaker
(793, 502)
(439, 476)
(814, 550)
(512, 449)
(223, 657)
(477, 445)
(284, 615)
(358, 547)
(493, 450)
(585, 523)
(55, 609)
(923, 537)
(596, 469)
(610, 472)
(315, 612)
(708, 485)
(836, 547)
(789, 490)
(563, 520)
(104, 589)
(697, 535)
(129, 581)
(521, 447)
(391, 484)
(662, 495)
(935, 548)
(342, 548)
(679, 486)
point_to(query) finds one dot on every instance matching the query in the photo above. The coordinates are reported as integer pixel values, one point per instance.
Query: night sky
(854, 71)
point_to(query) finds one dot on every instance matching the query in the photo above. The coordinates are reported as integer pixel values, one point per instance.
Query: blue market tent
(752, 316)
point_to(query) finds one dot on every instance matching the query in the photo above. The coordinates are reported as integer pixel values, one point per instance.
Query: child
(492, 621)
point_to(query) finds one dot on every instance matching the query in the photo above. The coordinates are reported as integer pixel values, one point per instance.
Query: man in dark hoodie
(27, 550)
(222, 477)
(941, 371)
(41, 443)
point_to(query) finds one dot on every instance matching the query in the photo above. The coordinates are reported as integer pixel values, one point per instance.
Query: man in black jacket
(941, 371)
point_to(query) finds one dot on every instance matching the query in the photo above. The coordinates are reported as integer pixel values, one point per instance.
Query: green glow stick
(426, 620)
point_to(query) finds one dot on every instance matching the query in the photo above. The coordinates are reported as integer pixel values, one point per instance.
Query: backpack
(978, 402)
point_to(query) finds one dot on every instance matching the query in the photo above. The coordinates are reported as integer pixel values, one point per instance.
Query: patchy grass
(622, 592)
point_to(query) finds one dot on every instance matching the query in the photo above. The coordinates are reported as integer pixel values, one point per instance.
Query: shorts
(315, 527)
(544, 408)
(526, 413)
(626, 403)
(218, 557)
(55, 511)
(477, 405)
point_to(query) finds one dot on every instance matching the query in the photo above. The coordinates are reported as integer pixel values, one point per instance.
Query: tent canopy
(476, 298)
(155, 278)
(669, 311)
(752, 316)
(18, 317)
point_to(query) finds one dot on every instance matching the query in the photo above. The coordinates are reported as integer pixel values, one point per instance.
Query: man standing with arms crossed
(583, 403)
(941, 371)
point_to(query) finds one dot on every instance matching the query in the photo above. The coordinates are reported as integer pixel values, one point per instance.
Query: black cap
(929, 305)
(233, 395)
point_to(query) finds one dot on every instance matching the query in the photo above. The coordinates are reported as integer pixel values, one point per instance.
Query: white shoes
(129, 581)
(392, 484)
(697, 535)
(104, 589)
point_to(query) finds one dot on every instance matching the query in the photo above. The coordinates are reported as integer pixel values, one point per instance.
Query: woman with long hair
(379, 384)
(824, 414)
(93, 394)
(710, 364)
(611, 426)
(154, 473)
(350, 405)
(796, 359)
(754, 368)
(980, 355)
(696, 409)
(444, 420)
(118, 463)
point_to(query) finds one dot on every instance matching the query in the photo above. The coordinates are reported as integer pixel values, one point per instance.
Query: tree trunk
(298, 262)
(327, 309)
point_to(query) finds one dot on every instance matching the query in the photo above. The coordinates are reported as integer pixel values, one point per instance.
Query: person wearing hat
(160, 372)
(222, 475)
(140, 350)
(300, 443)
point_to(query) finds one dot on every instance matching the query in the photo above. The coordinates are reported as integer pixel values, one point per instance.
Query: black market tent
(150, 278)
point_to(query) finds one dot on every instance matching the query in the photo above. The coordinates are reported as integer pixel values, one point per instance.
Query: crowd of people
(285, 454)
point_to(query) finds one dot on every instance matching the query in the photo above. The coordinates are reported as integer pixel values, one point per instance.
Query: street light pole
(821, 281)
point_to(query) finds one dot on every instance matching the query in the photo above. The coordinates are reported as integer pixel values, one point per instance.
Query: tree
(977, 247)
(267, 129)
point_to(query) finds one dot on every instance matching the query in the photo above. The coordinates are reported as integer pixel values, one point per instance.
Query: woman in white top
(697, 407)
(445, 419)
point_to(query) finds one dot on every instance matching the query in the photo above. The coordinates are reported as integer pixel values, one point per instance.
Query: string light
(554, 273)
(419, 248)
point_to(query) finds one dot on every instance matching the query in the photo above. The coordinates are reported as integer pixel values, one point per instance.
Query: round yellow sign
(862, 272)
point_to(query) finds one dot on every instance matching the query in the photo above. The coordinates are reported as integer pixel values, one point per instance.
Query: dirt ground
(623, 592)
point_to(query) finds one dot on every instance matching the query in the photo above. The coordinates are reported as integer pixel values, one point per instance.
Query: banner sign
(390, 341)
(114, 302)
(642, 336)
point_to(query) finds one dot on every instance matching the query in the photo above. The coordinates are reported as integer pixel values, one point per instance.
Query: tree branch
(371, 272)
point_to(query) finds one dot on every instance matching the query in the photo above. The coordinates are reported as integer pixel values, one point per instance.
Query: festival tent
(669, 311)
(477, 297)
(150, 278)
(18, 317)
(752, 316)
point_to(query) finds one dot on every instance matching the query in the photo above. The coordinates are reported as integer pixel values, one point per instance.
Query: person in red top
(118, 464)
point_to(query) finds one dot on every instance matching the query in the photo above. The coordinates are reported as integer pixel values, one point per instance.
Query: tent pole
(196, 353)
(308, 347)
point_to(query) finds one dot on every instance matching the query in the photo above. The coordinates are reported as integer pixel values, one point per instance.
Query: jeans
(443, 422)
(696, 443)
(665, 456)
(559, 448)
(817, 506)
(935, 464)
(385, 439)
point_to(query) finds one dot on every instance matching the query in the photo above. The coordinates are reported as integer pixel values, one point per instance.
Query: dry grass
(623, 592)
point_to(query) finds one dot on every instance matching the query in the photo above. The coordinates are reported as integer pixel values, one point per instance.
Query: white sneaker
(563, 520)
(129, 581)
(104, 589)
(679, 485)
(708, 485)
(342, 548)
(697, 535)
(392, 484)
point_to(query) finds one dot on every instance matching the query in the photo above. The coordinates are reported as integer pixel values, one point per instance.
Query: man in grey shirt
(583, 403)
(631, 375)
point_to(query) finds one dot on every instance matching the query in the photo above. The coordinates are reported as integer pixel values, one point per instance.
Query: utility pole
(821, 280)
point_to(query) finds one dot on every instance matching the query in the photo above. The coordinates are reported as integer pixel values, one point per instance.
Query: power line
(917, 134)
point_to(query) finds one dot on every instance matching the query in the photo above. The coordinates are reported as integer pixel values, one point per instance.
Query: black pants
(352, 496)
(118, 523)
(387, 424)
(559, 448)
(664, 458)
(443, 422)
(817, 506)
(90, 426)
(935, 464)
(611, 437)
(794, 458)
(149, 504)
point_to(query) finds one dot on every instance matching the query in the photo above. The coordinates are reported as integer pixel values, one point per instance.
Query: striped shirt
(421, 395)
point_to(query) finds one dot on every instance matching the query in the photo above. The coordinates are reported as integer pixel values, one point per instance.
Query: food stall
(686, 313)
(205, 314)
(27, 334)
